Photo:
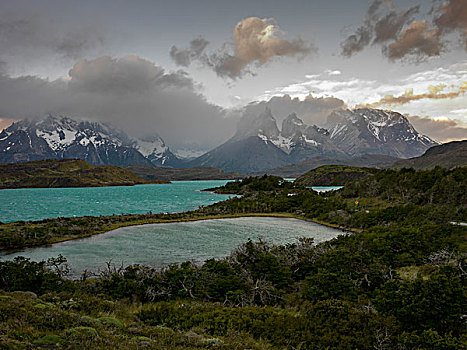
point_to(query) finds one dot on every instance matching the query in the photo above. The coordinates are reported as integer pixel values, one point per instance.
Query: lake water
(162, 244)
(42, 203)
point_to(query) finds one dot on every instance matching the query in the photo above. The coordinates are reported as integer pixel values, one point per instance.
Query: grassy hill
(448, 155)
(64, 173)
(334, 175)
(173, 174)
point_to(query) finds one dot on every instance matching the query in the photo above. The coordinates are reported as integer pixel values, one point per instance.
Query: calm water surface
(42, 203)
(163, 244)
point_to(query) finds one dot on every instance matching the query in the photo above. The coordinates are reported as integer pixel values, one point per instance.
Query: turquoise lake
(42, 203)
(162, 244)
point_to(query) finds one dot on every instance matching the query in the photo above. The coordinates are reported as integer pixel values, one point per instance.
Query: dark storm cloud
(255, 41)
(129, 92)
(25, 34)
(402, 36)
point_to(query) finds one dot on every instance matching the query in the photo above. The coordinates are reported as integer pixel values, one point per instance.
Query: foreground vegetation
(65, 173)
(398, 284)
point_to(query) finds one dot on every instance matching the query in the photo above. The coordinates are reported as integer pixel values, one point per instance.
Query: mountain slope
(259, 145)
(64, 173)
(365, 130)
(98, 144)
(244, 156)
(448, 155)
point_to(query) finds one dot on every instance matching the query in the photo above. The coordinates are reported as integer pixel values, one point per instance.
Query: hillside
(64, 173)
(174, 174)
(295, 170)
(334, 175)
(448, 155)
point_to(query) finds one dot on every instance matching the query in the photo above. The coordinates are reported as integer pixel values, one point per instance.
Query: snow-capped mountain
(259, 145)
(298, 140)
(154, 148)
(62, 137)
(365, 130)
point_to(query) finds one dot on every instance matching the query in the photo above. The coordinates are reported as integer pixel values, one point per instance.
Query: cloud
(184, 57)
(126, 75)
(443, 129)
(332, 72)
(312, 110)
(255, 41)
(27, 35)
(381, 23)
(5, 123)
(389, 26)
(410, 95)
(452, 15)
(418, 40)
(401, 36)
(129, 92)
(434, 93)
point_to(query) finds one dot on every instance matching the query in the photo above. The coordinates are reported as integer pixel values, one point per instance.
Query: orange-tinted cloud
(255, 40)
(452, 15)
(418, 39)
(402, 36)
(5, 123)
(434, 93)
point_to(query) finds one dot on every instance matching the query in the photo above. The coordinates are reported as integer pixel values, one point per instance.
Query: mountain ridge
(64, 138)
(348, 134)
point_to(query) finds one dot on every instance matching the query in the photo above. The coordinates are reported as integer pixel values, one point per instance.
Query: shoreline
(180, 220)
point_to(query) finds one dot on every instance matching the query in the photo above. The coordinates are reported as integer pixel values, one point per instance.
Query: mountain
(64, 173)
(448, 155)
(259, 145)
(174, 174)
(62, 137)
(366, 130)
(366, 160)
(155, 150)
(250, 149)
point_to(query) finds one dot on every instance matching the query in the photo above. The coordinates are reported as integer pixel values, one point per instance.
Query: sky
(182, 68)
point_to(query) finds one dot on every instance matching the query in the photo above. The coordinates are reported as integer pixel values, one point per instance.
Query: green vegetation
(64, 173)
(334, 175)
(397, 284)
(175, 174)
(449, 155)
(253, 184)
